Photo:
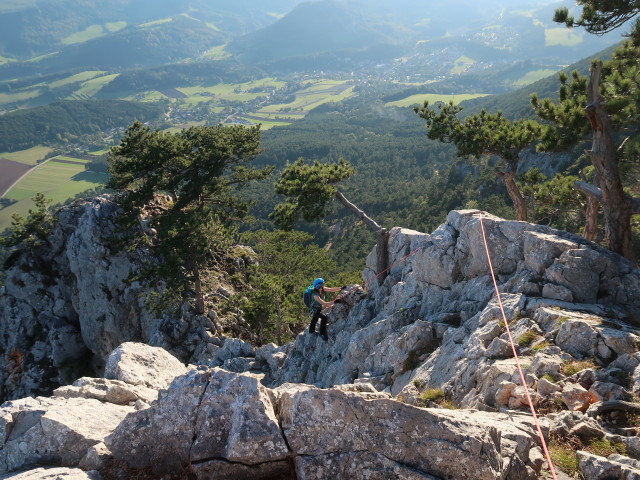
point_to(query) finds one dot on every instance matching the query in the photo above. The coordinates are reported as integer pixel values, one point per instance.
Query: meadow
(88, 83)
(59, 179)
(432, 98)
(314, 94)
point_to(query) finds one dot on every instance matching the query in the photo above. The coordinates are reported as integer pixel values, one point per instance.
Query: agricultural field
(92, 86)
(240, 92)
(89, 33)
(29, 157)
(461, 64)
(217, 53)
(88, 84)
(561, 36)
(534, 76)
(21, 96)
(314, 94)
(432, 98)
(59, 179)
(77, 78)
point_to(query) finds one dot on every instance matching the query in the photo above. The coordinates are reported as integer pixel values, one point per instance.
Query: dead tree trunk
(590, 231)
(382, 235)
(197, 284)
(616, 205)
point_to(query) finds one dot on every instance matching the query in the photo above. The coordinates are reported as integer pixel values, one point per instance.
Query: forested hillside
(402, 178)
(516, 104)
(61, 122)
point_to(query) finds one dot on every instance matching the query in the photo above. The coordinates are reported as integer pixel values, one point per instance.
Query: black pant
(317, 314)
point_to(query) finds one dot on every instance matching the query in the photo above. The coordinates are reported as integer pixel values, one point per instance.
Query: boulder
(140, 364)
(205, 415)
(53, 473)
(53, 431)
(594, 467)
(112, 391)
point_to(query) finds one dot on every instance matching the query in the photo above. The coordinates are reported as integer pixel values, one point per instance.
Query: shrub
(411, 362)
(432, 394)
(563, 451)
(413, 358)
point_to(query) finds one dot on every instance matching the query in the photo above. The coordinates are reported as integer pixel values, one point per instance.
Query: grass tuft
(573, 367)
(527, 338)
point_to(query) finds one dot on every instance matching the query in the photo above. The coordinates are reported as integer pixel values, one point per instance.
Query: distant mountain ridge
(126, 33)
(319, 27)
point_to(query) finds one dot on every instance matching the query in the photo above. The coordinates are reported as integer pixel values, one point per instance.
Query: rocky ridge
(433, 325)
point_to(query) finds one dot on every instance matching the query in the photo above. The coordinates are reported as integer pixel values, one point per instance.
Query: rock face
(432, 334)
(218, 424)
(67, 305)
(435, 320)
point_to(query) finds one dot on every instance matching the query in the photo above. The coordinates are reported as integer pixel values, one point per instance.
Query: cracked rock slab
(370, 466)
(54, 431)
(318, 423)
(205, 416)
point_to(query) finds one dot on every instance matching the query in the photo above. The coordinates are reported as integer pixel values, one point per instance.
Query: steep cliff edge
(68, 303)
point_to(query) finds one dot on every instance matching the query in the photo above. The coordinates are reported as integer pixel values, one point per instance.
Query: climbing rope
(515, 355)
(389, 268)
(362, 285)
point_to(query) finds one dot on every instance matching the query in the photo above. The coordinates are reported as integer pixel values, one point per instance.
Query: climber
(314, 299)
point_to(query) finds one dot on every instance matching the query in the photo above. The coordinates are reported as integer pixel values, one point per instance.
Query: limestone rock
(600, 468)
(54, 473)
(575, 397)
(112, 391)
(140, 364)
(319, 422)
(203, 415)
(54, 431)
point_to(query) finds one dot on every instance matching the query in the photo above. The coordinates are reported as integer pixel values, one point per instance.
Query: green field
(89, 33)
(6, 98)
(93, 86)
(461, 64)
(561, 36)
(57, 181)
(534, 76)
(28, 157)
(77, 78)
(232, 92)
(155, 23)
(115, 26)
(316, 93)
(4, 60)
(433, 98)
(217, 53)
(42, 57)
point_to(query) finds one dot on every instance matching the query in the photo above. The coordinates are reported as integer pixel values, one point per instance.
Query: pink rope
(376, 276)
(515, 355)
(389, 268)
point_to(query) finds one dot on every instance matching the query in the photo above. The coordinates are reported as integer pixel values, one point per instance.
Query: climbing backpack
(307, 296)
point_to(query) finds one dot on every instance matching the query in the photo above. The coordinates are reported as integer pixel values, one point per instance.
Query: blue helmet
(317, 283)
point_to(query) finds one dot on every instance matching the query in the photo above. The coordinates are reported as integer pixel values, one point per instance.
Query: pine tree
(599, 16)
(605, 107)
(199, 169)
(484, 134)
(309, 189)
